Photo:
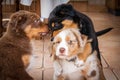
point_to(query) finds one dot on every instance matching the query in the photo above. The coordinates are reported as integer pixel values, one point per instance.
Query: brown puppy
(15, 47)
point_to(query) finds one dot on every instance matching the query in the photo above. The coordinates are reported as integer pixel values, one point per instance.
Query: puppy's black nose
(62, 50)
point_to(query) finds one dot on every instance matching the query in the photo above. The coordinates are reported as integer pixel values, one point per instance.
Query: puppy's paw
(57, 68)
(79, 63)
(58, 72)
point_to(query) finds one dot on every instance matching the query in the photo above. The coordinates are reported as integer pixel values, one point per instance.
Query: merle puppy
(84, 23)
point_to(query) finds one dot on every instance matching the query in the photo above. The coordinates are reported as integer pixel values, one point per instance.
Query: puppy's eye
(56, 24)
(62, 12)
(58, 42)
(53, 43)
(70, 42)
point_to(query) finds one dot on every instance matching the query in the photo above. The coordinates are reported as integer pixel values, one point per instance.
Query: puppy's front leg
(81, 57)
(79, 62)
(57, 70)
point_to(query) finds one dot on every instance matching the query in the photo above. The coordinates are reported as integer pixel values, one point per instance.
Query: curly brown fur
(15, 48)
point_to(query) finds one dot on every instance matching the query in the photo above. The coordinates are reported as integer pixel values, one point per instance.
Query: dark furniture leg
(17, 5)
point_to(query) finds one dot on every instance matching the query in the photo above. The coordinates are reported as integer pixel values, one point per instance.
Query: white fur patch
(92, 62)
(62, 44)
(79, 63)
(66, 68)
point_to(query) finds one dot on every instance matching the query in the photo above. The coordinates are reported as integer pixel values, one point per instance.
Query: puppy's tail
(99, 33)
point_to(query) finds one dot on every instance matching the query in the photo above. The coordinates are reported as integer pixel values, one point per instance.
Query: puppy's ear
(17, 21)
(80, 38)
(52, 51)
(84, 39)
(70, 6)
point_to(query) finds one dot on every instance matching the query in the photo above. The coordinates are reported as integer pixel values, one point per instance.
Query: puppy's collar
(72, 59)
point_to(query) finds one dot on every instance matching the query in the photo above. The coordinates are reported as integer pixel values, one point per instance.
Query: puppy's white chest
(66, 67)
(69, 67)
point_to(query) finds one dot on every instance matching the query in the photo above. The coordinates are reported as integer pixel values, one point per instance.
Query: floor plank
(109, 74)
(117, 73)
(48, 74)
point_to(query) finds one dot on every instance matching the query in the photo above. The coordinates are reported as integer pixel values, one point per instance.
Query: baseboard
(114, 12)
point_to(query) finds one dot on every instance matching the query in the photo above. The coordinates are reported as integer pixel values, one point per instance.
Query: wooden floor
(41, 67)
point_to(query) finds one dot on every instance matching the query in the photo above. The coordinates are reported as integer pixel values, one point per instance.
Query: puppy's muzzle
(62, 50)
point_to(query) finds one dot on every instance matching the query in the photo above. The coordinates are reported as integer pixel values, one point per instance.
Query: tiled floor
(41, 67)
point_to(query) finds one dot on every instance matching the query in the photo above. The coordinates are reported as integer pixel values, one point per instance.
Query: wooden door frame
(38, 11)
(1, 27)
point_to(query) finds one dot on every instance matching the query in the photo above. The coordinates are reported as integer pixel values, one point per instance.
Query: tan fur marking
(28, 29)
(58, 39)
(69, 24)
(34, 32)
(67, 38)
(56, 32)
(66, 24)
(75, 51)
(53, 24)
(60, 77)
(86, 52)
(44, 28)
(26, 59)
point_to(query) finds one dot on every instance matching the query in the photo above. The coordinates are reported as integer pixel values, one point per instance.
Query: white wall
(48, 5)
(58, 2)
(46, 8)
